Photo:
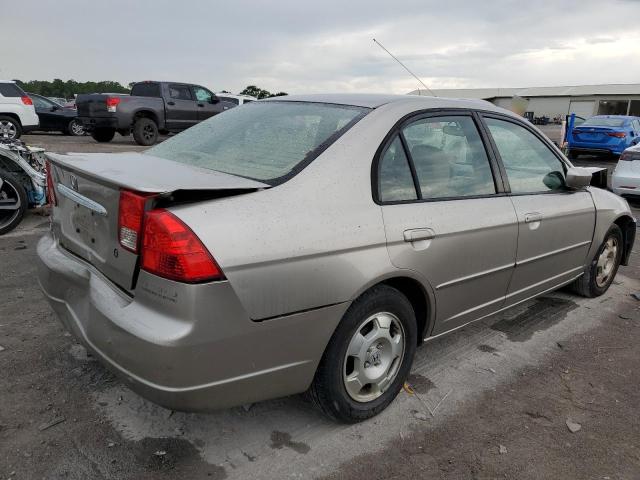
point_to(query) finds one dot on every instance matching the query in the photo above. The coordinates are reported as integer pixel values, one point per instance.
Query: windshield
(264, 141)
(604, 122)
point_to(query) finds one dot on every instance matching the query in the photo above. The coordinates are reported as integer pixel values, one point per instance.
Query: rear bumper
(606, 149)
(91, 123)
(186, 347)
(625, 185)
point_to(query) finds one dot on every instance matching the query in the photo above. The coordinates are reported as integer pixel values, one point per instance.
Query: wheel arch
(15, 116)
(628, 226)
(145, 114)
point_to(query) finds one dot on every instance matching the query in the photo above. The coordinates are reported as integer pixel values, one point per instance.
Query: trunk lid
(594, 134)
(92, 105)
(87, 188)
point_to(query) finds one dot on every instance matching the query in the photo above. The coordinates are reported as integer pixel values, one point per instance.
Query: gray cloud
(324, 46)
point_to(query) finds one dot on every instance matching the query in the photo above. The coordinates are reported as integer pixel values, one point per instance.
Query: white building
(583, 100)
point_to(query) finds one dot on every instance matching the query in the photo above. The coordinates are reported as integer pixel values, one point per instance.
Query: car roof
(6, 81)
(614, 116)
(372, 100)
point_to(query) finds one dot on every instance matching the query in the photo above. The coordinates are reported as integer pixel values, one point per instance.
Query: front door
(445, 216)
(555, 225)
(180, 107)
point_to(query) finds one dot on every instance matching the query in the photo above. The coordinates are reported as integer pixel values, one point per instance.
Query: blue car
(605, 134)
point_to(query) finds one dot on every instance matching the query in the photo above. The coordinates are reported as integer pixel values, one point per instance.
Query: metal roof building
(583, 100)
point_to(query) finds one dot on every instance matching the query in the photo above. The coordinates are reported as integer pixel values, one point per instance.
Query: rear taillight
(27, 100)
(171, 250)
(629, 156)
(51, 194)
(130, 215)
(112, 103)
(617, 134)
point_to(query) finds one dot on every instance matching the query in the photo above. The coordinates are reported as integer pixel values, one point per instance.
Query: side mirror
(214, 99)
(54, 108)
(578, 178)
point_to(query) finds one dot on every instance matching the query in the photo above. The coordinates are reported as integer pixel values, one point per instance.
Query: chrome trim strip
(81, 200)
(568, 272)
(554, 252)
(474, 276)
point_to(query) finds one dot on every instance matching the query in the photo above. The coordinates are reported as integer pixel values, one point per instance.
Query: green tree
(69, 88)
(260, 93)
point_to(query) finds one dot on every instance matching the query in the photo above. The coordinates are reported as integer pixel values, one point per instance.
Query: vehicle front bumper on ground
(186, 347)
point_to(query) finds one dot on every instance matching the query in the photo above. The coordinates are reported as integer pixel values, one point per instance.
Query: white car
(17, 114)
(626, 176)
(236, 99)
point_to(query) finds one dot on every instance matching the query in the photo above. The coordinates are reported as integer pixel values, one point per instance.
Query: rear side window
(11, 90)
(531, 166)
(146, 90)
(449, 157)
(180, 92)
(266, 141)
(395, 181)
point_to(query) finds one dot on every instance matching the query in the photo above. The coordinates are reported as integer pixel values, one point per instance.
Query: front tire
(75, 128)
(13, 197)
(10, 127)
(368, 357)
(602, 270)
(103, 135)
(145, 131)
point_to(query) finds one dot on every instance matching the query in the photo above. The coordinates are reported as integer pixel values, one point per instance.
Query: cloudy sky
(301, 46)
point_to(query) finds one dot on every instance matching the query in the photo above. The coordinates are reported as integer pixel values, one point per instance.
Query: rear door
(446, 216)
(208, 103)
(555, 225)
(180, 107)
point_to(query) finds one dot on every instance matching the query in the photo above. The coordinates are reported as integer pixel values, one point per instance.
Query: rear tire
(103, 135)
(145, 131)
(12, 190)
(572, 155)
(600, 273)
(75, 128)
(371, 358)
(10, 127)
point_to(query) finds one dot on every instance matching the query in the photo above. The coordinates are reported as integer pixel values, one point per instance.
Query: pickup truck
(152, 108)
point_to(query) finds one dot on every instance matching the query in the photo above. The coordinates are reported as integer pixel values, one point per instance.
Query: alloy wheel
(606, 261)
(373, 357)
(9, 203)
(8, 129)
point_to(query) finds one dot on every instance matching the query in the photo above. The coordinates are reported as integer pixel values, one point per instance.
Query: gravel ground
(506, 384)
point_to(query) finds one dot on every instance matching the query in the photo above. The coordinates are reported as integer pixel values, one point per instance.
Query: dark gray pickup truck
(152, 108)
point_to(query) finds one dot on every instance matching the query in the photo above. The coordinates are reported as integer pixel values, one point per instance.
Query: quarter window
(394, 176)
(449, 157)
(530, 165)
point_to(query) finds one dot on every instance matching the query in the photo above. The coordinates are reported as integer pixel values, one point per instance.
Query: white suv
(17, 114)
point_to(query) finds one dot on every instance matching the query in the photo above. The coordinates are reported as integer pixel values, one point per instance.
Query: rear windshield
(264, 141)
(11, 90)
(146, 90)
(604, 122)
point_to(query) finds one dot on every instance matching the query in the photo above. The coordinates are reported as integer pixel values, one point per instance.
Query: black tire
(572, 155)
(12, 189)
(13, 127)
(587, 285)
(145, 131)
(328, 391)
(103, 135)
(75, 128)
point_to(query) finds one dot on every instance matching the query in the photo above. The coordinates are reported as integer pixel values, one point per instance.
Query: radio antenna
(405, 67)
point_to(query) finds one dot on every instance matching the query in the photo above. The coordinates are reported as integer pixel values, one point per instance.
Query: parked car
(626, 176)
(310, 243)
(607, 134)
(236, 99)
(54, 117)
(17, 115)
(152, 108)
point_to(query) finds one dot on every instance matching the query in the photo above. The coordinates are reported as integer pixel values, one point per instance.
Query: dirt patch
(283, 439)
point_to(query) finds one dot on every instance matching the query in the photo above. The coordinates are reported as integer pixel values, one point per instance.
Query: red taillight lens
(112, 103)
(27, 100)
(130, 215)
(51, 194)
(171, 250)
(617, 134)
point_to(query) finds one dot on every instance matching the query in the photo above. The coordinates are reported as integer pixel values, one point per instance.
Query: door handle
(532, 217)
(416, 234)
(171, 103)
(201, 104)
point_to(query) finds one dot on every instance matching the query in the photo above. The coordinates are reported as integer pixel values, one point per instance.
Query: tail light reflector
(171, 250)
(51, 194)
(112, 103)
(617, 134)
(130, 216)
(27, 100)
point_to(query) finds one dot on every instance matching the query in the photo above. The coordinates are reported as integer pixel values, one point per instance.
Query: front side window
(530, 165)
(180, 92)
(395, 182)
(202, 94)
(265, 141)
(449, 157)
